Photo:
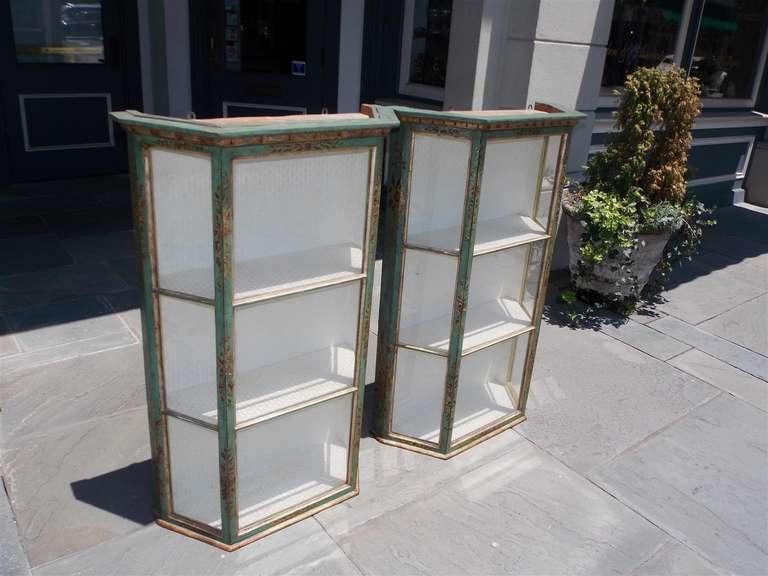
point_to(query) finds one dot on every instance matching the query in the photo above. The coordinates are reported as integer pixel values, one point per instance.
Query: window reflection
(52, 31)
(728, 47)
(429, 45)
(643, 33)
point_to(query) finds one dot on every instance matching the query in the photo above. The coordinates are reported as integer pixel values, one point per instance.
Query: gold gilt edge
(485, 126)
(469, 441)
(177, 524)
(224, 141)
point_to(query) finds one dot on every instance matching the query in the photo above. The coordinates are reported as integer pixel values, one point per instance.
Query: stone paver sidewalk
(645, 452)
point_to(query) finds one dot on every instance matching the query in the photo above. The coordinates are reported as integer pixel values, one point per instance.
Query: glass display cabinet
(257, 239)
(473, 206)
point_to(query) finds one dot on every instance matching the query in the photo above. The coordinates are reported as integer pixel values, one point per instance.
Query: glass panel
(288, 460)
(532, 275)
(299, 219)
(495, 297)
(548, 181)
(508, 193)
(519, 354)
(264, 36)
(181, 193)
(439, 171)
(194, 458)
(490, 382)
(643, 33)
(485, 393)
(731, 36)
(188, 333)
(429, 44)
(426, 304)
(58, 31)
(419, 392)
(294, 349)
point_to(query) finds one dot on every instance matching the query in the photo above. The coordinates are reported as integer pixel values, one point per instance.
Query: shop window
(424, 61)
(643, 33)
(729, 45)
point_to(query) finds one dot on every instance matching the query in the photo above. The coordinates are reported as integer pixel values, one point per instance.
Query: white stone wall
(350, 54)
(510, 54)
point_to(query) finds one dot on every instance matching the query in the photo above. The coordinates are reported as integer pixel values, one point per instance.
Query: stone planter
(606, 275)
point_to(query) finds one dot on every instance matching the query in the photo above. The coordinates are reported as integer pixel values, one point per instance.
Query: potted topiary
(633, 198)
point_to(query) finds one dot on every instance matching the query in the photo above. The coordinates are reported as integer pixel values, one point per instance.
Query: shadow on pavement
(126, 492)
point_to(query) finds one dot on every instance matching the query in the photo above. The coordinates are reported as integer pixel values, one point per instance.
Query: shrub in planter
(633, 199)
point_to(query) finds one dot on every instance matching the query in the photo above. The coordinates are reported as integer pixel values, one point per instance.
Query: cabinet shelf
(485, 324)
(269, 276)
(492, 406)
(266, 392)
(489, 387)
(296, 271)
(307, 485)
(410, 421)
(287, 461)
(492, 235)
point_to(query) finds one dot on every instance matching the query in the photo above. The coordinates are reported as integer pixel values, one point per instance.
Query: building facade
(66, 64)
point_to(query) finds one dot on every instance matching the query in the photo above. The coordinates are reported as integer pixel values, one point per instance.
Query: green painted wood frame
(479, 129)
(223, 145)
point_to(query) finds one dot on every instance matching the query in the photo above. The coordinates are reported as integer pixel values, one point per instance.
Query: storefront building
(65, 64)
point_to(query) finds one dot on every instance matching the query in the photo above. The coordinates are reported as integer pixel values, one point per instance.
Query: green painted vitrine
(257, 240)
(472, 211)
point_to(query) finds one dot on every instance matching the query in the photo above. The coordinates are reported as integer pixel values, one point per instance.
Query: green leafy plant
(568, 296)
(638, 184)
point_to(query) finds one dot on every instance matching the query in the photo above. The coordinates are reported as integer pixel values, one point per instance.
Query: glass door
(64, 70)
(266, 57)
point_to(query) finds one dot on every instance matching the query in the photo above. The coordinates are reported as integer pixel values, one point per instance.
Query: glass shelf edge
(511, 244)
(264, 417)
(269, 295)
(190, 419)
(473, 349)
(309, 287)
(184, 296)
(511, 336)
(426, 350)
(294, 408)
(481, 251)
(441, 251)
